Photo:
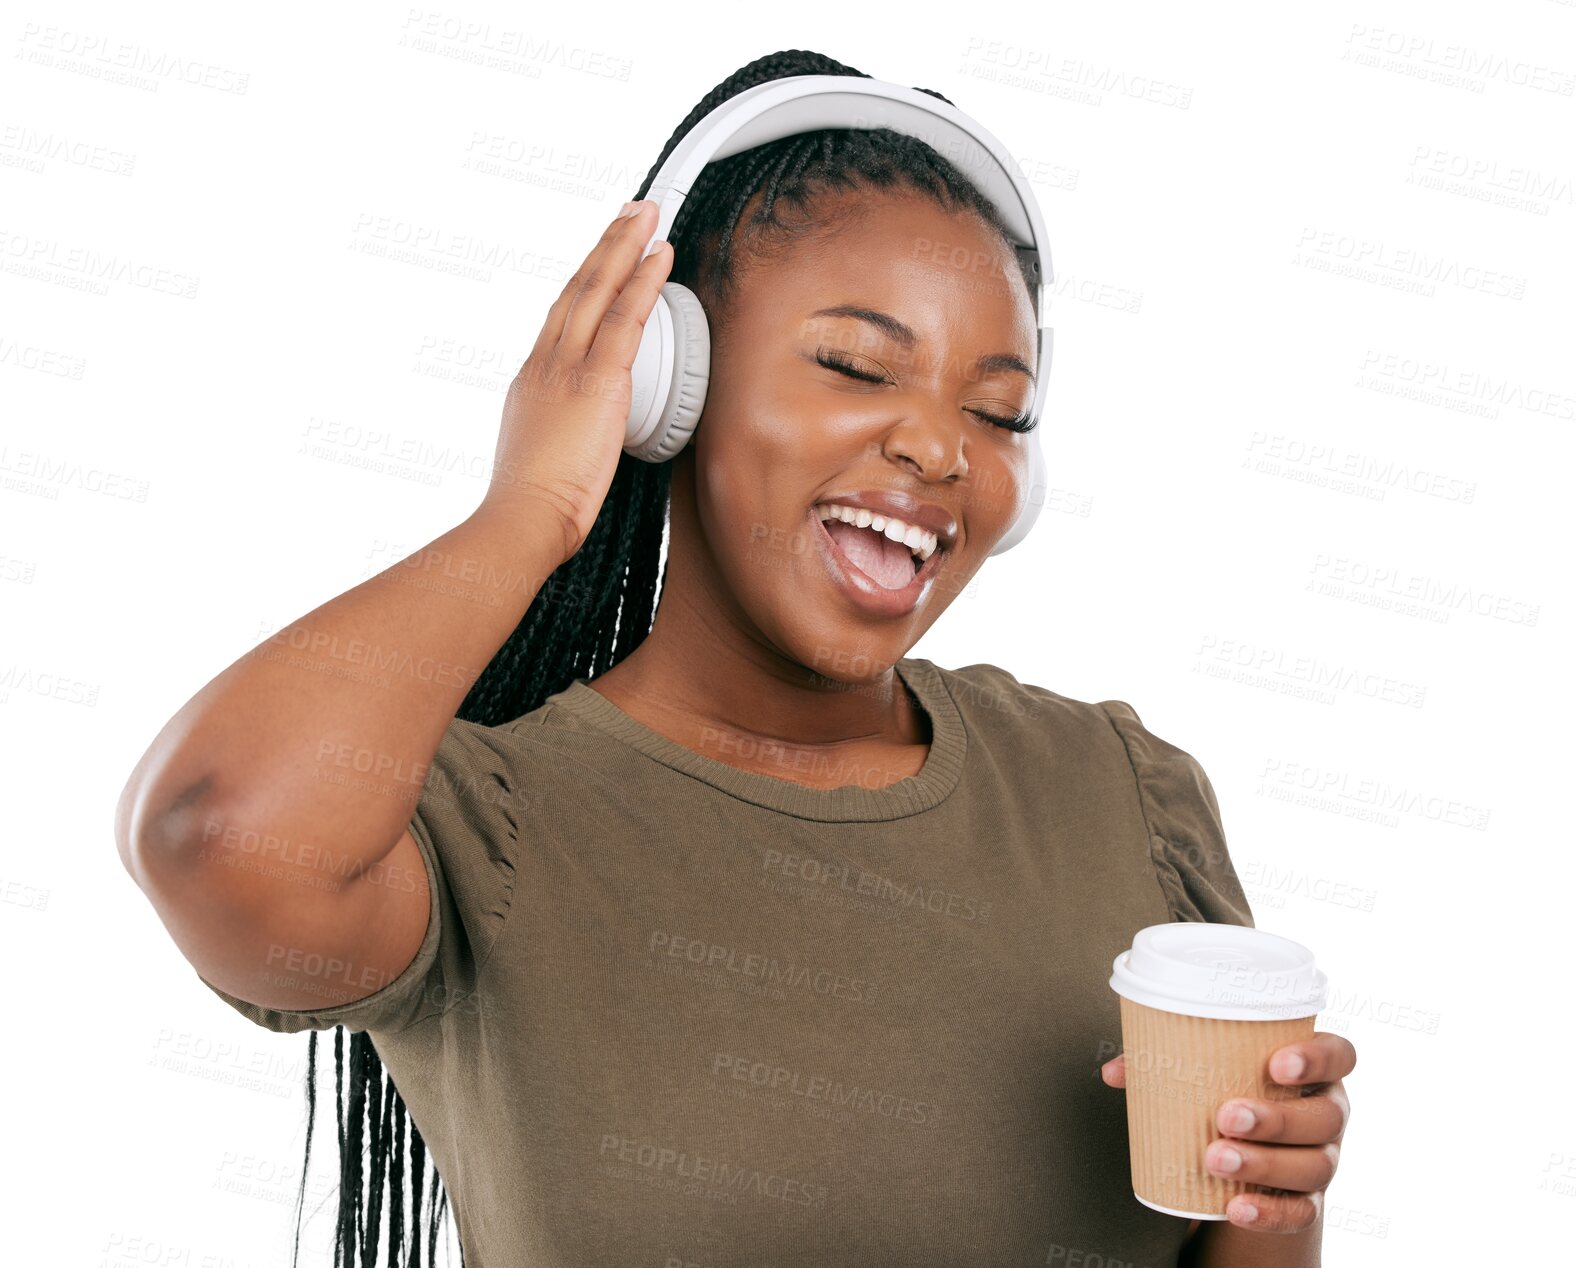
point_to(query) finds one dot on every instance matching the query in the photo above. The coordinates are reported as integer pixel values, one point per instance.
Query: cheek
(1000, 480)
(755, 477)
(762, 454)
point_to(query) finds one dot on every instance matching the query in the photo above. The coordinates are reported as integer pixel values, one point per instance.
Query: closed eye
(833, 361)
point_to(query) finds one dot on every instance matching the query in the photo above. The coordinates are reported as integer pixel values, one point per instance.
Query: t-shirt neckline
(911, 795)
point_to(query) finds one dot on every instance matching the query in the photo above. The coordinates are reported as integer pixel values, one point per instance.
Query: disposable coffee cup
(1204, 1006)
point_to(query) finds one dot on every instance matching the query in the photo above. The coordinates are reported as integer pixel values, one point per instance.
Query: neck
(704, 665)
(703, 680)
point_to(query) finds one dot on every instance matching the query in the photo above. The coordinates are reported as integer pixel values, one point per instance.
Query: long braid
(311, 1113)
(597, 607)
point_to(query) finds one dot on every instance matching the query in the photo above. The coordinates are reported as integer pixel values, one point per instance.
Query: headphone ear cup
(670, 374)
(1033, 504)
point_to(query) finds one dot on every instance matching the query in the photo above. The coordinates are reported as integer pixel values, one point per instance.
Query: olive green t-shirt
(670, 1012)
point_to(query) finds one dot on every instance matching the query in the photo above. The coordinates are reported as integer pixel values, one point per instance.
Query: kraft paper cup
(1203, 1008)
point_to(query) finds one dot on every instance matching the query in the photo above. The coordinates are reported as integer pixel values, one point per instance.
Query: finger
(1323, 1058)
(601, 281)
(1275, 1212)
(618, 340)
(553, 327)
(1114, 1071)
(1306, 1120)
(1300, 1168)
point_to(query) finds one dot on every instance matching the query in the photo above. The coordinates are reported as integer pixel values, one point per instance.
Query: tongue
(884, 561)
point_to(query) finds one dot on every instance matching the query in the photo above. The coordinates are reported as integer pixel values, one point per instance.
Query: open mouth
(882, 550)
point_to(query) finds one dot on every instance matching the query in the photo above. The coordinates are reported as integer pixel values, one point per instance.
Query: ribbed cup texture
(1179, 1072)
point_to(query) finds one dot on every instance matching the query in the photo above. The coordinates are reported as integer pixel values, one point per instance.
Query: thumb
(1114, 1071)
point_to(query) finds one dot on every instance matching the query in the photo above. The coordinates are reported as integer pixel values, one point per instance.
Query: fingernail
(1292, 1065)
(1244, 1212)
(1226, 1159)
(1239, 1118)
(629, 209)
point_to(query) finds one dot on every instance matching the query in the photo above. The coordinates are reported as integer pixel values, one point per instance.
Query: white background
(1310, 426)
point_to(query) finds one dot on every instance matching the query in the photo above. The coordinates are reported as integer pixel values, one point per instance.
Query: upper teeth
(918, 540)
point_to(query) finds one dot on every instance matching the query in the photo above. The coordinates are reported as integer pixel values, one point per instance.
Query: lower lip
(862, 589)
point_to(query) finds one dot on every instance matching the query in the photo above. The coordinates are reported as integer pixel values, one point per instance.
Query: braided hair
(598, 606)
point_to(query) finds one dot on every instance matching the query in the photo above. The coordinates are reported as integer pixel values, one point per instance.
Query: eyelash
(832, 361)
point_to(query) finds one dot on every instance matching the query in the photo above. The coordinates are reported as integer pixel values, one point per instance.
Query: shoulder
(990, 687)
(997, 704)
(497, 746)
(1105, 749)
(1164, 770)
(993, 698)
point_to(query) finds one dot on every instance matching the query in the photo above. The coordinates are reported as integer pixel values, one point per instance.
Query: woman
(732, 934)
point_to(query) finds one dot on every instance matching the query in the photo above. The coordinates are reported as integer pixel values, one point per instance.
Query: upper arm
(296, 946)
(294, 934)
(293, 939)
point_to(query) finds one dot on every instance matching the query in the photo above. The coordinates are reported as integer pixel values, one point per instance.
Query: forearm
(323, 732)
(1222, 1244)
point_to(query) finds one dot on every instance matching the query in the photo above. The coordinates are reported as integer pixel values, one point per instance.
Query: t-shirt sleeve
(466, 825)
(1187, 842)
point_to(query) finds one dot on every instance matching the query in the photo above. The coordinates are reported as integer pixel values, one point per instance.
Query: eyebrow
(905, 336)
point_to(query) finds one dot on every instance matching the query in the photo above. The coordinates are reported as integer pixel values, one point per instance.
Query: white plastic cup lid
(1230, 972)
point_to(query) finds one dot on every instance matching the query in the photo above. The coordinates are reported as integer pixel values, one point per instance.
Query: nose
(933, 449)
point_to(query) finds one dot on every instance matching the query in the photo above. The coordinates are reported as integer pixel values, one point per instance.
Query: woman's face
(784, 432)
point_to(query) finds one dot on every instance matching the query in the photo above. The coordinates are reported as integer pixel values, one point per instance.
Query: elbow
(149, 836)
(130, 828)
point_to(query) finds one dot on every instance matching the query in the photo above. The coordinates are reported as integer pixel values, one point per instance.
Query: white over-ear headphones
(671, 369)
